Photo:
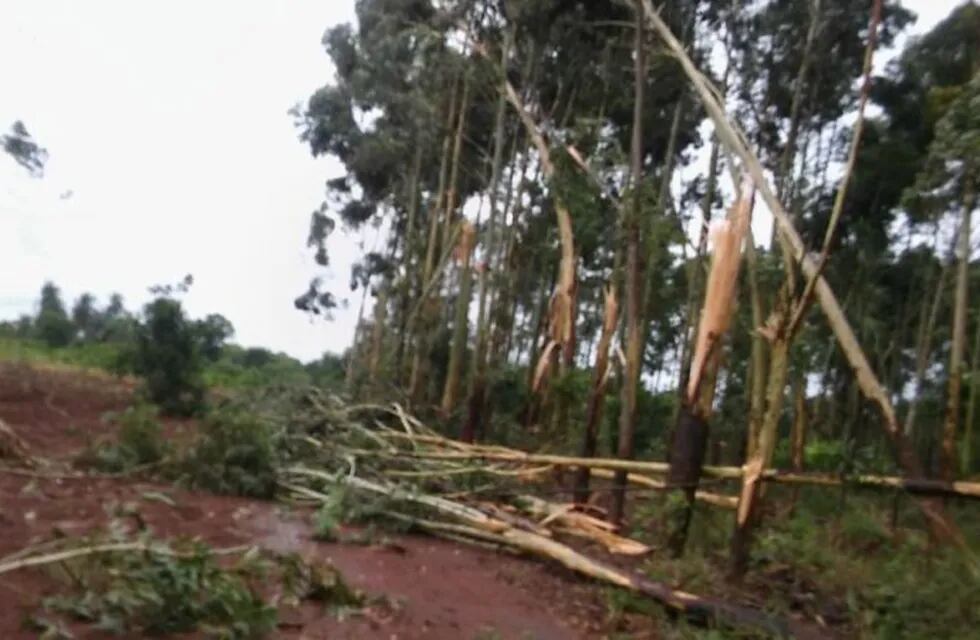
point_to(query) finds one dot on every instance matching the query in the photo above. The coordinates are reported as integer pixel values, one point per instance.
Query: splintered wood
(727, 238)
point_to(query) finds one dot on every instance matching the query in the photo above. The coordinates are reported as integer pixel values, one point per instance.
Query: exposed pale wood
(940, 523)
(709, 609)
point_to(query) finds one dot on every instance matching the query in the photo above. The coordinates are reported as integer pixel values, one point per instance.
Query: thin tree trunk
(789, 152)
(798, 433)
(966, 451)
(452, 193)
(761, 458)
(562, 316)
(478, 375)
(691, 433)
(352, 379)
(940, 523)
(948, 458)
(634, 276)
(378, 331)
(408, 259)
(696, 281)
(923, 349)
(597, 398)
(421, 351)
(457, 351)
(757, 371)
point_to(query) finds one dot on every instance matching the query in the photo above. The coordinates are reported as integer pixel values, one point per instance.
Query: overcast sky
(171, 152)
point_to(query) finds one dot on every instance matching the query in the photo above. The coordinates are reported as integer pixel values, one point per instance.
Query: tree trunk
(378, 331)
(597, 398)
(634, 276)
(421, 351)
(691, 433)
(966, 451)
(460, 334)
(478, 375)
(748, 504)
(923, 344)
(798, 433)
(452, 194)
(948, 458)
(408, 260)
(696, 282)
(940, 523)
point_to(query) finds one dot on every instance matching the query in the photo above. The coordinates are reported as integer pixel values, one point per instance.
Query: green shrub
(331, 515)
(235, 453)
(156, 594)
(916, 594)
(861, 530)
(53, 326)
(167, 356)
(138, 442)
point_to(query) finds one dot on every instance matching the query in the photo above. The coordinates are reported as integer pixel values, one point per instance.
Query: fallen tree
(479, 525)
(918, 486)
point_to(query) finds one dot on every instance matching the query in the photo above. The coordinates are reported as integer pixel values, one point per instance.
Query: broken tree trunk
(691, 433)
(761, 458)
(918, 486)
(484, 526)
(941, 525)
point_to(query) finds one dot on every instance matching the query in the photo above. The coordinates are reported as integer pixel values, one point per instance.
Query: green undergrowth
(184, 587)
(235, 452)
(231, 451)
(99, 356)
(137, 442)
(859, 564)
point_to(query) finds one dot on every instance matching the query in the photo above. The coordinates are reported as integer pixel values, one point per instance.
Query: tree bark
(408, 261)
(478, 375)
(922, 351)
(748, 504)
(421, 350)
(798, 433)
(966, 451)
(948, 458)
(460, 325)
(691, 433)
(597, 398)
(634, 275)
(939, 521)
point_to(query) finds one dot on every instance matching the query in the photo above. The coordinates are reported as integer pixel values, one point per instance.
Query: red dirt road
(432, 588)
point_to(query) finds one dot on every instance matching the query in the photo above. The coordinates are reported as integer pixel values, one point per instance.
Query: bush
(167, 356)
(235, 454)
(920, 595)
(53, 325)
(154, 594)
(139, 442)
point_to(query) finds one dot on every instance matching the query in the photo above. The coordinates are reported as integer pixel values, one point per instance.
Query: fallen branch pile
(418, 478)
(455, 450)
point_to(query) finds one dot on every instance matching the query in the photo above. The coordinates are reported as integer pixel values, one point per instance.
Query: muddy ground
(426, 588)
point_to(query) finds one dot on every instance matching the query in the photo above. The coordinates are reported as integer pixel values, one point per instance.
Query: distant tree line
(177, 356)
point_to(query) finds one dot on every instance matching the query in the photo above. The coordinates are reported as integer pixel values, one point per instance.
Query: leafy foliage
(159, 594)
(139, 442)
(235, 453)
(53, 325)
(19, 145)
(168, 357)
